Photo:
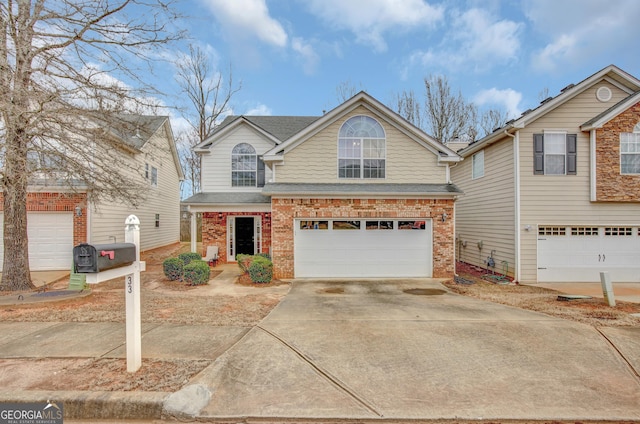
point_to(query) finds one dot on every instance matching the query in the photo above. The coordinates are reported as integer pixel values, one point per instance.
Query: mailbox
(90, 258)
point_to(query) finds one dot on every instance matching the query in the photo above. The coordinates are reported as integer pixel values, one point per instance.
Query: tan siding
(107, 219)
(565, 199)
(487, 210)
(316, 159)
(216, 166)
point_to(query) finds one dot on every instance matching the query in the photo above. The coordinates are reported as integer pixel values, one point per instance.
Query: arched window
(244, 166)
(361, 148)
(630, 151)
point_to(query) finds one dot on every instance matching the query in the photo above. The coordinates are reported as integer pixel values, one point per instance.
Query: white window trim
(255, 171)
(636, 135)
(361, 158)
(153, 176)
(477, 157)
(564, 134)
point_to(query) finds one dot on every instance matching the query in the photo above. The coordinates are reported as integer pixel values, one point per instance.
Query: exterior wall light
(444, 217)
(78, 211)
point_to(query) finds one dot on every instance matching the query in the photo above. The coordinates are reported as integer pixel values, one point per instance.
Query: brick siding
(214, 231)
(60, 202)
(611, 185)
(284, 211)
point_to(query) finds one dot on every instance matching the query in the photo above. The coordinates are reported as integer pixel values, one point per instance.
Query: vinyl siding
(107, 219)
(486, 212)
(565, 199)
(216, 166)
(316, 159)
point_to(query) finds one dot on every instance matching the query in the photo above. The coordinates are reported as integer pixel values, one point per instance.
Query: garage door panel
(362, 253)
(50, 241)
(575, 257)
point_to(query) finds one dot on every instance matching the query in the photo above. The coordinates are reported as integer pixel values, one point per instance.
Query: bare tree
(346, 90)
(63, 67)
(492, 119)
(209, 94)
(408, 106)
(448, 116)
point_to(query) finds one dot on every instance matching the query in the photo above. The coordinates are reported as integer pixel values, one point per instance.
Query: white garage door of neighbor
(50, 240)
(351, 248)
(580, 253)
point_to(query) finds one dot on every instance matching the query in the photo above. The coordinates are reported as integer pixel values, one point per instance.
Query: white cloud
(595, 28)
(259, 110)
(307, 54)
(243, 18)
(475, 40)
(369, 20)
(507, 99)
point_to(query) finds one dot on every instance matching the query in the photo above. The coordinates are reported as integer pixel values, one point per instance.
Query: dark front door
(244, 236)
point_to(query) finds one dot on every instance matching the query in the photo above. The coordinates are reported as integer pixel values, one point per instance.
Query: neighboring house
(554, 195)
(59, 218)
(357, 192)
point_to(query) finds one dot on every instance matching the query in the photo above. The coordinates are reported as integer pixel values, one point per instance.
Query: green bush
(261, 270)
(189, 256)
(264, 255)
(244, 261)
(173, 268)
(197, 273)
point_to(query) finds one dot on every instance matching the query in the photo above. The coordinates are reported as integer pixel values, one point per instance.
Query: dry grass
(589, 311)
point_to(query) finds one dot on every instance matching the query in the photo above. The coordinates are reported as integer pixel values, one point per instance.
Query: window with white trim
(361, 148)
(244, 166)
(154, 176)
(630, 151)
(477, 161)
(555, 153)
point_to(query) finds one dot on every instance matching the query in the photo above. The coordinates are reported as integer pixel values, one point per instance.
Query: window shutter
(260, 173)
(572, 153)
(538, 154)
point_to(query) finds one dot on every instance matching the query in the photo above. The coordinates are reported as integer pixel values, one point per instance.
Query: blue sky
(290, 55)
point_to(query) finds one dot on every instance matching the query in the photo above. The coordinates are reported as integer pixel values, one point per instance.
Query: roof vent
(603, 94)
(546, 100)
(567, 87)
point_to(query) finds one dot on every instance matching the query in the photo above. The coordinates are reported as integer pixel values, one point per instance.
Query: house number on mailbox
(129, 284)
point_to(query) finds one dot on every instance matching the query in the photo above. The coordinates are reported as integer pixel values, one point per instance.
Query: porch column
(194, 232)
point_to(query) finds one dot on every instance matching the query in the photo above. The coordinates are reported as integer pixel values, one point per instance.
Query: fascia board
(219, 136)
(613, 113)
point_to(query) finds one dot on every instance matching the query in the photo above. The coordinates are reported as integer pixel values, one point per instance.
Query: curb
(96, 405)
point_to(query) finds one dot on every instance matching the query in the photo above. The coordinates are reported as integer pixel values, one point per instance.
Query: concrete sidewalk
(402, 349)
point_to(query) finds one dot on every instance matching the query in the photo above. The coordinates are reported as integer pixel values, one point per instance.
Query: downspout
(194, 231)
(89, 218)
(592, 165)
(516, 166)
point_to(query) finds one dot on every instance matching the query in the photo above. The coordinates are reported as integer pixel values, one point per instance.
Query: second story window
(247, 169)
(555, 153)
(630, 151)
(361, 149)
(477, 169)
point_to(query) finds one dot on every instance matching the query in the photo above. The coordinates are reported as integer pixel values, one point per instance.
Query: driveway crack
(326, 374)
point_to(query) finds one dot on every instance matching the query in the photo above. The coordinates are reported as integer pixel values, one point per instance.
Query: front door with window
(244, 235)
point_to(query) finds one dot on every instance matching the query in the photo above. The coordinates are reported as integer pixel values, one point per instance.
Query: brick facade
(284, 211)
(60, 202)
(611, 185)
(214, 231)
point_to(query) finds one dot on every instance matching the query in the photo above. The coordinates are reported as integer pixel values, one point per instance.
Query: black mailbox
(90, 258)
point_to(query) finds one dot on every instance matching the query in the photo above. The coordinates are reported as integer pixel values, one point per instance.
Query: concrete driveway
(407, 349)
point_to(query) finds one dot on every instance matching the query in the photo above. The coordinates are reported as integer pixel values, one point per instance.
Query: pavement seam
(124, 343)
(332, 379)
(624, 358)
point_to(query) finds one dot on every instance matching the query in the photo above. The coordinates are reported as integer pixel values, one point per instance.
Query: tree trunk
(15, 273)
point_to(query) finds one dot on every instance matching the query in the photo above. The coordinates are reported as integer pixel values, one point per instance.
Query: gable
(315, 159)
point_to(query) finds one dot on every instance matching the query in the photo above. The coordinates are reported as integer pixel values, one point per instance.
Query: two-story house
(554, 195)
(60, 217)
(356, 192)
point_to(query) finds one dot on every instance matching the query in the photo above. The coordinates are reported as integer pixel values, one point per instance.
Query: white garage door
(363, 248)
(580, 253)
(50, 240)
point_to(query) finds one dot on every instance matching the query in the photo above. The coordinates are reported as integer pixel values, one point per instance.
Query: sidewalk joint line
(334, 380)
(624, 358)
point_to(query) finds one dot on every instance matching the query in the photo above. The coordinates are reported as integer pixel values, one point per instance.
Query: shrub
(173, 268)
(264, 255)
(197, 273)
(244, 261)
(261, 270)
(189, 256)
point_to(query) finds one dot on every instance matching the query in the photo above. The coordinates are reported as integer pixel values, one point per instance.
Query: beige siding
(316, 159)
(487, 210)
(107, 219)
(565, 199)
(216, 166)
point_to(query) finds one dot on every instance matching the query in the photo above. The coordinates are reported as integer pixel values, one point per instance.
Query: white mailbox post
(131, 275)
